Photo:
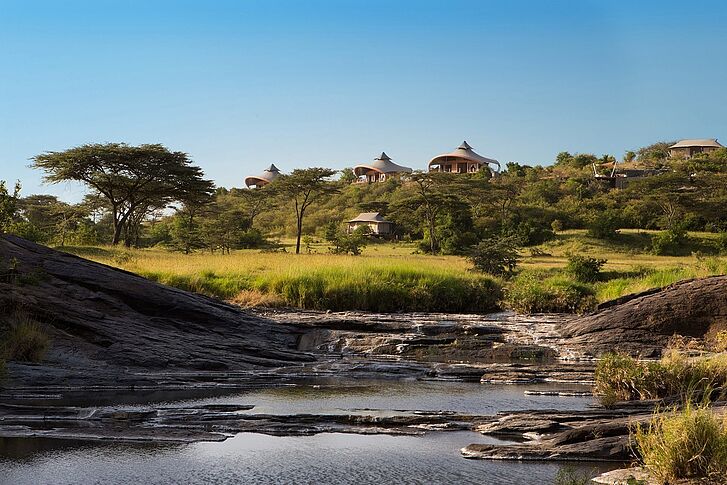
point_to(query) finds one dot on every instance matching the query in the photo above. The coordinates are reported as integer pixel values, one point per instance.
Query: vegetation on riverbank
(623, 378)
(23, 338)
(682, 443)
(396, 276)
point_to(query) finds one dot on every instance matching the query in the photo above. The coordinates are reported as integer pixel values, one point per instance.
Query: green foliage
(671, 242)
(8, 206)
(349, 243)
(556, 225)
(132, 181)
(535, 292)
(684, 443)
(583, 268)
(370, 289)
(604, 225)
(622, 378)
(496, 256)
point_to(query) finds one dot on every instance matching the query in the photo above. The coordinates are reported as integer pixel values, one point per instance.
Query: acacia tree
(132, 179)
(305, 187)
(430, 195)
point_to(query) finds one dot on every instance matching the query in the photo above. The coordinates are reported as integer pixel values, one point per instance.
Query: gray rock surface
(110, 326)
(642, 324)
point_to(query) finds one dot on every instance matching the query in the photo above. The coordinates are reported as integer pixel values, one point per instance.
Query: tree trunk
(297, 238)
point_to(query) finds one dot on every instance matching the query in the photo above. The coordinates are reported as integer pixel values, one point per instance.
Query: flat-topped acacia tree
(133, 180)
(305, 187)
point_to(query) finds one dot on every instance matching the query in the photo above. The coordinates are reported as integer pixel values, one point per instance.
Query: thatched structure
(462, 160)
(268, 175)
(689, 148)
(379, 170)
(375, 222)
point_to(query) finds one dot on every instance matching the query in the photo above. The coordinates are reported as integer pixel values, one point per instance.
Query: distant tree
(254, 202)
(429, 195)
(51, 218)
(497, 256)
(655, 153)
(629, 156)
(305, 187)
(8, 205)
(347, 176)
(132, 179)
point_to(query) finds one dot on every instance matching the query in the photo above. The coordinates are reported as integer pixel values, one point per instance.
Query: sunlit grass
(318, 278)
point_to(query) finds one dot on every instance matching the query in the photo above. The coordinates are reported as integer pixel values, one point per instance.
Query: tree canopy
(133, 180)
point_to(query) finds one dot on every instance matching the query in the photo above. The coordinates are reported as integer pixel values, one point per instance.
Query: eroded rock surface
(108, 326)
(642, 324)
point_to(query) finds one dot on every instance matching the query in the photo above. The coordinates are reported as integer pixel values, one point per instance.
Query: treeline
(148, 196)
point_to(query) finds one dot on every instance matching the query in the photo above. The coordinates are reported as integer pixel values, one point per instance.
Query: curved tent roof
(268, 175)
(382, 164)
(706, 142)
(464, 152)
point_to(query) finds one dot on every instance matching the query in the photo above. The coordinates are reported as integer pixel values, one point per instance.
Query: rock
(109, 327)
(642, 324)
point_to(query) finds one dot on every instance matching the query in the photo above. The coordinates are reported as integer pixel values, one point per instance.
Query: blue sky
(242, 84)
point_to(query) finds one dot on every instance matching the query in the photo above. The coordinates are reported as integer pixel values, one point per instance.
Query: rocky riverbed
(115, 331)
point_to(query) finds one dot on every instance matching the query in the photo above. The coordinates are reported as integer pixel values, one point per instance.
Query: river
(432, 457)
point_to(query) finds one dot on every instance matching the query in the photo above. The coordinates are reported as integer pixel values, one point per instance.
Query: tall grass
(623, 378)
(537, 292)
(690, 442)
(381, 289)
(25, 341)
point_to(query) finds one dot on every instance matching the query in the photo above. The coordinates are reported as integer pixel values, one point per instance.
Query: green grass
(374, 289)
(396, 277)
(685, 443)
(623, 378)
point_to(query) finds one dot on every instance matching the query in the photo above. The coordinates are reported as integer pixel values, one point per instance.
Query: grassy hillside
(394, 276)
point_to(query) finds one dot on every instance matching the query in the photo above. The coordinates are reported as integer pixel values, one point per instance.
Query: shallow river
(323, 458)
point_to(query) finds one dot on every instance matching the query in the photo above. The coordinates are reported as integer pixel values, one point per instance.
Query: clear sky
(242, 84)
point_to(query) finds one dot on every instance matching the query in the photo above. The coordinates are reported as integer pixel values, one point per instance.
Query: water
(323, 458)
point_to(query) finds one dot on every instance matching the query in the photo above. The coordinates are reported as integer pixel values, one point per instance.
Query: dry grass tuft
(256, 298)
(686, 443)
(25, 340)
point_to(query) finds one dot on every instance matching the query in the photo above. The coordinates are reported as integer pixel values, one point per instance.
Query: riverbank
(396, 277)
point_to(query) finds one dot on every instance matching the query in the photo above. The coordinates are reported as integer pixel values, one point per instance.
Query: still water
(322, 458)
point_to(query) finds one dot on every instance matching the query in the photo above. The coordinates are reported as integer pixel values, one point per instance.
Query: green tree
(8, 205)
(305, 187)
(132, 179)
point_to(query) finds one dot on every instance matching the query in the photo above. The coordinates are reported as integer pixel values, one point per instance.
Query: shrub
(26, 341)
(556, 225)
(672, 242)
(534, 292)
(721, 242)
(686, 443)
(622, 378)
(604, 225)
(496, 256)
(584, 268)
(719, 341)
(568, 475)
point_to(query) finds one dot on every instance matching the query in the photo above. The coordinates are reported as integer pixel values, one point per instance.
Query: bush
(686, 443)
(719, 341)
(26, 341)
(622, 378)
(538, 293)
(556, 225)
(496, 256)
(352, 243)
(672, 242)
(583, 268)
(568, 475)
(721, 242)
(604, 225)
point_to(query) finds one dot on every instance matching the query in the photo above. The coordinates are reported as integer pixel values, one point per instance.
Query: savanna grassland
(398, 277)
